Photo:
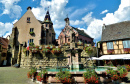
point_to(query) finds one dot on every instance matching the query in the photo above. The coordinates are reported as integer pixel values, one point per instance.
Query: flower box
(126, 50)
(31, 33)
(110, 51)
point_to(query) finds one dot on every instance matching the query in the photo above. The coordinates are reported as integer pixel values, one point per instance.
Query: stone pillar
(30, 60)
(19, 55)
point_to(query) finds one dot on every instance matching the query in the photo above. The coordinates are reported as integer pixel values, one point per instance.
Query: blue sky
(88, 15)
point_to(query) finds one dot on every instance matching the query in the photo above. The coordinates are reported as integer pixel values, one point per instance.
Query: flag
(28, 45)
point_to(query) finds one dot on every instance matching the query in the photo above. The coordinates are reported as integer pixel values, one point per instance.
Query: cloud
(121, 14)
(11, 8)
(79, 12)
(15, 21)
(105, 11)
(88, 18)
(6, 28)
(76, 22)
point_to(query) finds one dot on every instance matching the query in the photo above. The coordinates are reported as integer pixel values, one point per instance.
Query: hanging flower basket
(79, 43)
(56, 51)
(31, 33)
(45, 50)
(89, 49)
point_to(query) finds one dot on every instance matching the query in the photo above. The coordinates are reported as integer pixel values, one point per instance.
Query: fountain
(74, 62)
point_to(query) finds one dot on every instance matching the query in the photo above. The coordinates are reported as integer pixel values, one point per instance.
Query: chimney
(29, 8)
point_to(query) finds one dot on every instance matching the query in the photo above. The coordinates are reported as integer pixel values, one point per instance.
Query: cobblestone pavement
(12, 75)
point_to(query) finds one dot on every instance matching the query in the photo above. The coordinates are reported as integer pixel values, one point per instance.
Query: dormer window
(28, 19)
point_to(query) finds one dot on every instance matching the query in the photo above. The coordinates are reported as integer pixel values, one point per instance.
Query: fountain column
(75, 62)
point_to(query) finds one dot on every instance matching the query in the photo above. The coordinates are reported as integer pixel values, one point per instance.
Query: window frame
(31, 40)
(126, 43)
(111, 46)
(28, 19)
(31, 29)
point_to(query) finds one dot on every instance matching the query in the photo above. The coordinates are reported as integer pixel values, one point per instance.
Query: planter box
(79, 79)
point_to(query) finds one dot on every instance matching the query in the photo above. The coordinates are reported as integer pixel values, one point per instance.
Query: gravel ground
(12, 75)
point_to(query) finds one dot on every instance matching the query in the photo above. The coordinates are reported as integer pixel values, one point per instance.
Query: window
(109, 45)
(49, 34)
(68, 40)
(126, 43)
(46, 25)
(50, 26)
(31, 29)
(31, 40)
(28, 19)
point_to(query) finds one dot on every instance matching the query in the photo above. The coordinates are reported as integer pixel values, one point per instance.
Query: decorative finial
(48, 8)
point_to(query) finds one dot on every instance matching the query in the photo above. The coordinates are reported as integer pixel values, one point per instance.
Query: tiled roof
(116, 31)
(81, 32)
(4, 41)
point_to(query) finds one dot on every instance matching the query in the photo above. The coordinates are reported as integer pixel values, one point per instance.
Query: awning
(113, 57)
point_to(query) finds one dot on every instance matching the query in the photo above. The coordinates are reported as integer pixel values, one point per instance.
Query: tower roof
(47, 18)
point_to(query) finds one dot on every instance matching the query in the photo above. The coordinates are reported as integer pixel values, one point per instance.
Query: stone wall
(50, 60)
(43, 60)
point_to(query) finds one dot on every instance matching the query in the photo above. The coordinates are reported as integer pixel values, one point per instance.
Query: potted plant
(127, 67)
(31, 33)
(113, 74)
(42, 76)
(32, 73)
(90, 77)
(64, 76)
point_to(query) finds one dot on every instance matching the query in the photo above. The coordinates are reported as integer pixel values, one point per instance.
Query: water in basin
(99, 69)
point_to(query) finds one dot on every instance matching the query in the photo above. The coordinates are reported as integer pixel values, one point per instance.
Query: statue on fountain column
(72, 39)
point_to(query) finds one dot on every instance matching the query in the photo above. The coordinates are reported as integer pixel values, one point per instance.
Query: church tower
(48, 33)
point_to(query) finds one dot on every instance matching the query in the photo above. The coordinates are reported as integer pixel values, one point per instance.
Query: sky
(87, 15)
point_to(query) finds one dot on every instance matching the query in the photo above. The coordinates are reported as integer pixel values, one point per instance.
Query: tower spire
(67, 20)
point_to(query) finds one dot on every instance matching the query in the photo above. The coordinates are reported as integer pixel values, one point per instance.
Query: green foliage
(45, 50)
(31, 44)
(79, 43)
(31, 33)
(42, 73)
(89, 73)
(63, 75)
(122, 70)
(111, 72)
(89, 49)
(24, 50)
(90, 76)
